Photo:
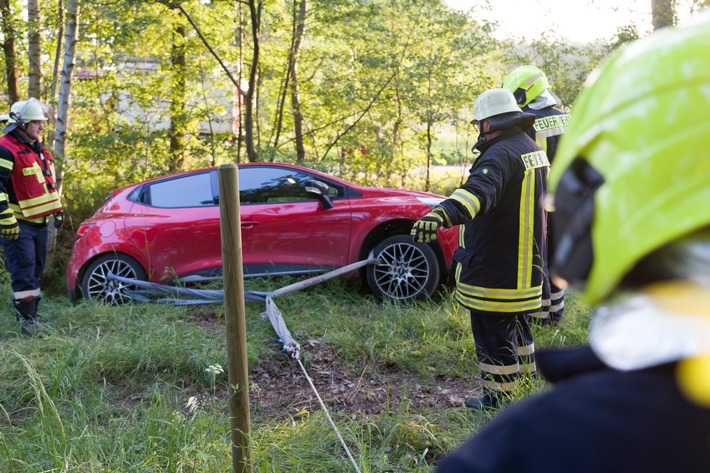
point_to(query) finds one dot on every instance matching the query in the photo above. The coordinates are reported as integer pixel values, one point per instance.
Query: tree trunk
(9, 47)
(56, 73)
(178, 130)
(663, 13)
(71, 38)
(299, 33)
(255, 7)
(34, 86)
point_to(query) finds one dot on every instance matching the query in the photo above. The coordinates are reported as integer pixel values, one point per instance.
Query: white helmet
(23, 112)
(494, 102)
(26, 111)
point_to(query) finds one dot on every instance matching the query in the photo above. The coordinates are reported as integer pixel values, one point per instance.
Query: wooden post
(234, 314)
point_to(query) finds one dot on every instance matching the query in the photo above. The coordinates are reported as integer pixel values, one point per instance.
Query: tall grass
(129, 389)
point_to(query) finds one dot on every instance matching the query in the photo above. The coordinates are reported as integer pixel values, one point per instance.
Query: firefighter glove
(8, 225)
(58, 219)
(424, 229)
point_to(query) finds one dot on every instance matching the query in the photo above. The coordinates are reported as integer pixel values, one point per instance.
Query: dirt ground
(283, 388)
(279, 387)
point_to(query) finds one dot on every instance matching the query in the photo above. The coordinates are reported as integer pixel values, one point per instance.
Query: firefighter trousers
(25, 259)
(504, 347)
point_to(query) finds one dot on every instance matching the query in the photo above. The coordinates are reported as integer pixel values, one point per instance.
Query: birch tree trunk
(55, 73)
(71, 38)
(34, 86)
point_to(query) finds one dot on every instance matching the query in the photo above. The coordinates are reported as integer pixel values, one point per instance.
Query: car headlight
(430, 201)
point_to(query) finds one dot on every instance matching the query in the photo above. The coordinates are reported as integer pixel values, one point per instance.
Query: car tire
(97, 286)
(407, 271)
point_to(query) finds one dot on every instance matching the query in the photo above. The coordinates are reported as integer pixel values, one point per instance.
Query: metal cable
(322, 405)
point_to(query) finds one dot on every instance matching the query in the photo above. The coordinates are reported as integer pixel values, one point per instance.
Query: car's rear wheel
(97, 285)
(407, 271)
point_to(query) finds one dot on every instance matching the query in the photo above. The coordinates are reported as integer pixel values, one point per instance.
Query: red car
(294, 220)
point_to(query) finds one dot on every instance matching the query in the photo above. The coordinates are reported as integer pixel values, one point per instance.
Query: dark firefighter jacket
(499, 254)
(595, 419)
(27, 179)
(549, 127)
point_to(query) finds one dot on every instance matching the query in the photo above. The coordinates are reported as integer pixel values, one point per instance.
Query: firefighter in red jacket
(631, 190)
(499, 276)
(28, 200)
(531, 90)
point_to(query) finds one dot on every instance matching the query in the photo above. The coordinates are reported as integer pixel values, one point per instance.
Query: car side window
(194, 190)
(258, 185)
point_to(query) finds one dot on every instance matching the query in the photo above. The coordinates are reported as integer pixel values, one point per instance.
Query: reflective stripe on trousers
(504, 347)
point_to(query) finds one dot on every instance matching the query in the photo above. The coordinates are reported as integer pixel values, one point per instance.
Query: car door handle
(249, 224)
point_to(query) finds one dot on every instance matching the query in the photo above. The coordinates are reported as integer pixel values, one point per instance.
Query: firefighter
(498, 276)
(28, 200)
(531, 90)
(631, 184)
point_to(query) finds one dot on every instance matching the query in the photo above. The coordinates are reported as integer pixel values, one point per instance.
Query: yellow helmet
(631, 184)
(632, 172)
(526, 83)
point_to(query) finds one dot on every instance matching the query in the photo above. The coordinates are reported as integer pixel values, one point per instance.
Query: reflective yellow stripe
(501, 293)
(549, 133)
(499, 369)
(526, 238)
(498, 306)
(541, 142)
(500, 387)
(26, 294)
(551, 122)
(526, 350)
(4, 163)
(41, 209)
(35, 214)
(534, 160)
(48, 197)
(557, 307)
(468, 200)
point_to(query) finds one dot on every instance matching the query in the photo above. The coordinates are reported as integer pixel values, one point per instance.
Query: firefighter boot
(489, 400)
(26, 313)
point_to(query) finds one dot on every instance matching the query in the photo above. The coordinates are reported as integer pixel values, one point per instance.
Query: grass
(130, 389)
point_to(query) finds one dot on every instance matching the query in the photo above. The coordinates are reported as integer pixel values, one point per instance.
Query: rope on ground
(272, 312)
(294, 350)
(327, 414)
(178, 295)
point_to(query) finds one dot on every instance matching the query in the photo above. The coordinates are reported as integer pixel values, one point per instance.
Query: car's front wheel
(97, 285)
(407, 271)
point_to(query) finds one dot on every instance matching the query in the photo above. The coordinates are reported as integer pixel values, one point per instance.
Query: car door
(286, 231)
(176, 223)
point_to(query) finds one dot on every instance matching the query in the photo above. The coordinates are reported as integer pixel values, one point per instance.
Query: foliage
(385, 87)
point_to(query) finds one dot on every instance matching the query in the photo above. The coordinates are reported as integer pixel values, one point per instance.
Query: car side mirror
(319, 190)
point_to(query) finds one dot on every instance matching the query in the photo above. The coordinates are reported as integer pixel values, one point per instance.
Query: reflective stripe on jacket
(33, 181)
(548, 128)
(503, 227)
